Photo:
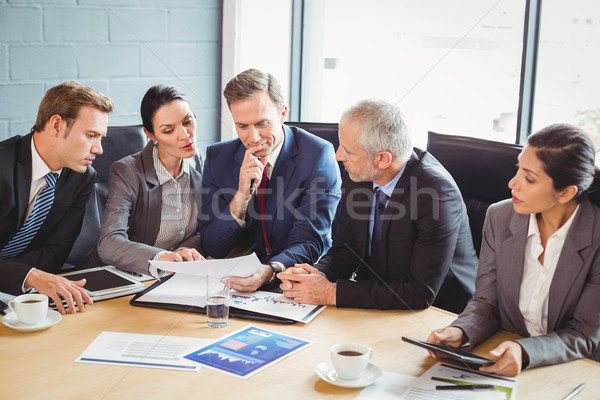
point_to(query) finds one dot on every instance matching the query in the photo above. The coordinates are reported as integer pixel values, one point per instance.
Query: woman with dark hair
(539, 268)
(154, 196)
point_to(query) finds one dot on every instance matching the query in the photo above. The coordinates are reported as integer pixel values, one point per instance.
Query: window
(568, 82)
(453, 66)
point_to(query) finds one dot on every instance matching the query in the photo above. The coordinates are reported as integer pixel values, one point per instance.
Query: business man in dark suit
(51, 164)
(273, 191)
(407, 246)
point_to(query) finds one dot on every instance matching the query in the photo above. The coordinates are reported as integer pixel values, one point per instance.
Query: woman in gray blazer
(154, 196)
(539, 268)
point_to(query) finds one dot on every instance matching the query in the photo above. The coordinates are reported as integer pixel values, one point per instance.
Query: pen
(464, 387)
(251, 187)
(575, 391)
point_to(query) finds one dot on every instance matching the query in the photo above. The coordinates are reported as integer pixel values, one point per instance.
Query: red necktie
(261, 198)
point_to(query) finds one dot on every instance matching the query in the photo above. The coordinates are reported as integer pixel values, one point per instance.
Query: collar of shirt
(389, 187)
(39, 169)
(161, 172)
(273, 157)
(561, 233)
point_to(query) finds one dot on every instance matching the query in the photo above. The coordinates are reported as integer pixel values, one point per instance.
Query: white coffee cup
(349, 359)
(30, 308)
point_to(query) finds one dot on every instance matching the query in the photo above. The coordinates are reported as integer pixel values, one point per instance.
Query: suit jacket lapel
(196, 179)
(400, 191)
(511, 257)
(570, 261)
(362, 195)
(280, 178)
(154, 195)
(24, 171)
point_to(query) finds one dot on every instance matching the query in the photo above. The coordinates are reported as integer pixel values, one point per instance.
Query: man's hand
(252, 282)
(58, 288)
(510, 359)
(251, 169)
(182, 255)
(306, 285)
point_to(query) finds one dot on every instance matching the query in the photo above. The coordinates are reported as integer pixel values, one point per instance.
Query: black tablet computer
(451, 352)
(104, 282)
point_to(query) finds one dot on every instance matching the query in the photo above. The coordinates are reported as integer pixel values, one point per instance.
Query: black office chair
(120, 141)
(324, 130)
(481, 169)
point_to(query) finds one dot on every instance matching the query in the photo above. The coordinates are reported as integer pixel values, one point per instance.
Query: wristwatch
(276, 270)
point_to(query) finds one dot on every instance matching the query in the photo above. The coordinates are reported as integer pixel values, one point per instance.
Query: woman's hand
(450, 335)
(510, 359)
(182, 255)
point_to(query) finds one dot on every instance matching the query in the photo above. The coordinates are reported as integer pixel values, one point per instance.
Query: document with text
(138, 350)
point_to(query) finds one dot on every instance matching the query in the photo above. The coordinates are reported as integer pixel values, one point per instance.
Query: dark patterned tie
(377, 239)
(42, 205)
(261, 198)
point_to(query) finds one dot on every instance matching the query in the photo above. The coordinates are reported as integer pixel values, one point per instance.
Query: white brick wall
(119, 47)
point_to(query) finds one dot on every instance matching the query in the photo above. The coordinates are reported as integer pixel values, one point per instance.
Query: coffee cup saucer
(12, 321)
(326, 372)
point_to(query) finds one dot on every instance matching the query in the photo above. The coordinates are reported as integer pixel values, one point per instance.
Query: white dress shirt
(537, 277)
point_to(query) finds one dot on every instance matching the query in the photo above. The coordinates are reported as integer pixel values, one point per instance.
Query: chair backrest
(324, 130)
(120, 141)
(481, 169)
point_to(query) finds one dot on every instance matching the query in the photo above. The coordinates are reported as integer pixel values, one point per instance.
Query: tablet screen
(451, 352)
(100, 279)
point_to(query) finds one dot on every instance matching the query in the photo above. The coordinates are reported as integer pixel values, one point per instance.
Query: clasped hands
(510, 355)
(306, 285)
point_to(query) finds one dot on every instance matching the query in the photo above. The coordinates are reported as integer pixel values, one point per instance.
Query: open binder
(233, 312)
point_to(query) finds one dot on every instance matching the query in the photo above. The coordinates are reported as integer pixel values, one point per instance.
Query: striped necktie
(42, 205)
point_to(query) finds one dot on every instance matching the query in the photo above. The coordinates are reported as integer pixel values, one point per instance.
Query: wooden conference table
(41, 365)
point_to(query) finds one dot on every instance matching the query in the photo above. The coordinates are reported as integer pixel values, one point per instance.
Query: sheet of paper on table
(399, 386)
(137, 350)
(238, 266)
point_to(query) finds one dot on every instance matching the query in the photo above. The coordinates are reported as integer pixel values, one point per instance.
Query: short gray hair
(252, 82)
(383, 128)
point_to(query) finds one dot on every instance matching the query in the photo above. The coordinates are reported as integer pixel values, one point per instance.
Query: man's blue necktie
(377, 240)
(42, 205)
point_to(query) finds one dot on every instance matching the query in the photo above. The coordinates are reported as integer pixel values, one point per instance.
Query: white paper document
(188, 290)
(274, 304)
(399, 386)
(137, 350)
(238, 266)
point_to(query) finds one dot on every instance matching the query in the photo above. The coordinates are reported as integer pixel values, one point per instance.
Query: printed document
(399, 386)
(247, 351)
(137, 350)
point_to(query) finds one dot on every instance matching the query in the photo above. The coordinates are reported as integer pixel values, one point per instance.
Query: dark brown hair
(568, 157)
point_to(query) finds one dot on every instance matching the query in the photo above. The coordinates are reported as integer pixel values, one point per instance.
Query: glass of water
(217, 300)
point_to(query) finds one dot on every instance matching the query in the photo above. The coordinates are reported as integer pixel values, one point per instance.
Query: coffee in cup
(31, 308)
(350, 359)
